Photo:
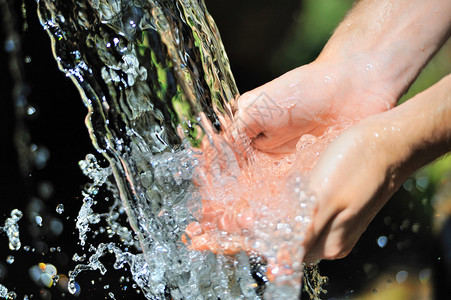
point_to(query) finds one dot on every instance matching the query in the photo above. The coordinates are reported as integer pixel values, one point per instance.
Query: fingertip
(245, 124)
(193, 229)
(245, 119)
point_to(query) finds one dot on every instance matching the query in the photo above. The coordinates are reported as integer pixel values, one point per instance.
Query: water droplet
(60, 208)
(41, 156)
(50, 269)
(38, 220)
(408, 184)
(31, 110)
(10, 45)
(11, 296)
(369, 67)
(56, 226)
(401, 276)
(10, 259)
(46, 279)
(11, 228)
(45, 189)
(422, 183)
(382, 241)
(425, 275)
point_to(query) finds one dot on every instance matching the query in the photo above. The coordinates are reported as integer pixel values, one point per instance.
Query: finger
(204, 242)
(315, 244)
(193, 229)
(321, 233)
(246, 117)
(333, 243)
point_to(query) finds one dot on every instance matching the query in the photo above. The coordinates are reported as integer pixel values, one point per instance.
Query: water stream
(157, 84)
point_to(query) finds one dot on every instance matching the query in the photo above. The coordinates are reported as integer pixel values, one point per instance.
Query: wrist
(413, 134)
(362, 84)
(388, 43)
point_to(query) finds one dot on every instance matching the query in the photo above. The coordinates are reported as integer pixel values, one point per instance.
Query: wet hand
(359, 171)
(254, 202)
(308, 100)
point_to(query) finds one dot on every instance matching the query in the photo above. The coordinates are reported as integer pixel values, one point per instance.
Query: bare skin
(369, 62)
(306, 100)
(362, 168)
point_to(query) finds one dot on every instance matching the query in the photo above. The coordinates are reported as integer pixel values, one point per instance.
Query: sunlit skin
(238, 190)
(306, 100)
(369, 62)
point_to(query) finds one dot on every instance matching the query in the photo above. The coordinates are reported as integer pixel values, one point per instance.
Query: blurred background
(404, 254)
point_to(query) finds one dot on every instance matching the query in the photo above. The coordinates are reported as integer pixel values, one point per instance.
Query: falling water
(157, 84)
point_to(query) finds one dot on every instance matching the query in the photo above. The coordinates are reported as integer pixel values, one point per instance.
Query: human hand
(299, 129)
(369, 62)
(384, 148)
(362, 71)
(308, 100)
(366, 164)
(255, 202)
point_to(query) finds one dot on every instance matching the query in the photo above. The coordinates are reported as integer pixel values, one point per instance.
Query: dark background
(254, 36)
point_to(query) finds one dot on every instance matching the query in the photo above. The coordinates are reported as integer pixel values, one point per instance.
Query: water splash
(4, 293)
(11, 228)
(59, 208)
(156, 81)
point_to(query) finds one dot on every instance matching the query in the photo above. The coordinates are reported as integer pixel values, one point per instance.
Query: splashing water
(11, 228)
(157, 84)
(4, 293)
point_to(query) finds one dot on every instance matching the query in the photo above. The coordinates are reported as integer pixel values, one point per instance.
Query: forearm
(390, 41)
(418, 131)
(426, 121)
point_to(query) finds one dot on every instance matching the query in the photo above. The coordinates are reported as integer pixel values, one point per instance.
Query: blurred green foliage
(311, 29)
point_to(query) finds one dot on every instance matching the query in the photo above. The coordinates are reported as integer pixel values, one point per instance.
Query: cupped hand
(297, 115)
(308, 100)
(352, 180)
(254, 202)
(359, 171)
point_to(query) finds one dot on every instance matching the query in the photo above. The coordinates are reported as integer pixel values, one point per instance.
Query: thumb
(247, 114)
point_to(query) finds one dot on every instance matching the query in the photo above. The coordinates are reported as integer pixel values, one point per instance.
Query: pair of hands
(368, 63)
(351, 176)
(346, 181)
